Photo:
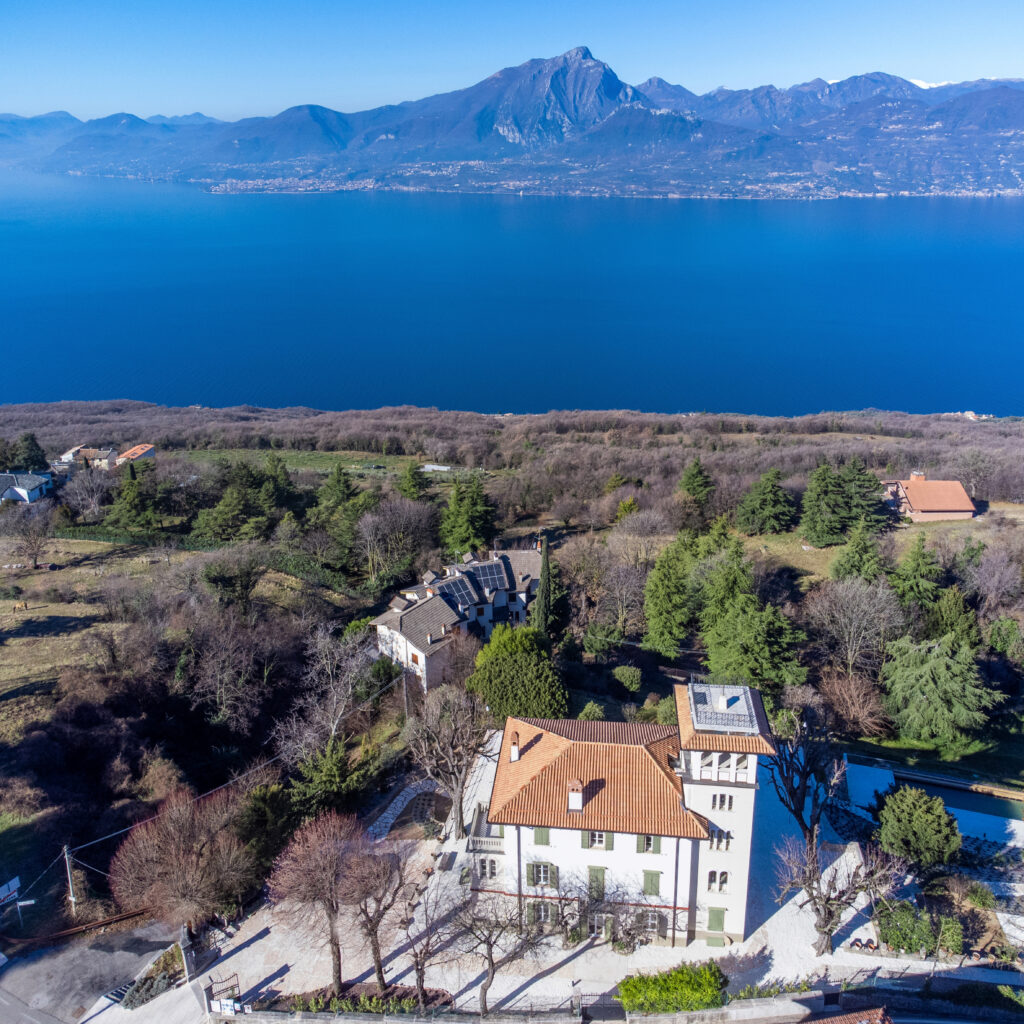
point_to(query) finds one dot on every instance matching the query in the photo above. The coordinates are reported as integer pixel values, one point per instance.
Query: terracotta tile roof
(936, 495)
(628, 783)
(876, 1015)
(721, 742)
(134, 453)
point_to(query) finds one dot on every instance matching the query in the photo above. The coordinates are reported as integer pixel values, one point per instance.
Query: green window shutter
(541, 837)
(639, 844)
(608, 921)
(531, 874)
(531, 913)
(609, 840)
(716, 919)
(652, 883)
(553, 875)
(657, 844)
(585, 839)
(501, 831)
(596, 880)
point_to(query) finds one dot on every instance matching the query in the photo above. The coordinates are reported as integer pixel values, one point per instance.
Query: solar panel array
(492, 575)
(457, 590)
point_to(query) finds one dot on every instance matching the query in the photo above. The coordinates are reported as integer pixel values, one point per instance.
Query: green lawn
(999, 759)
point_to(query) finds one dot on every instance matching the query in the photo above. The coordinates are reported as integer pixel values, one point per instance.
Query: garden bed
(358, 998)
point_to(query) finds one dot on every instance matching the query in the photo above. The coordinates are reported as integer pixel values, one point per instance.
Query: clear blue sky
(233, 58)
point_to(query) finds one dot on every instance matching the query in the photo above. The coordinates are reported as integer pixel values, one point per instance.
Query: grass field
(318, 462)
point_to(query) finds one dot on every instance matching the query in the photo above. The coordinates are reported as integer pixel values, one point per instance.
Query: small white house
(24, 487)
(656, 819)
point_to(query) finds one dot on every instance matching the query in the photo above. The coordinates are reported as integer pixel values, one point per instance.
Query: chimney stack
(917, 474)
(513, 749)
(430, 639)
(575, 795)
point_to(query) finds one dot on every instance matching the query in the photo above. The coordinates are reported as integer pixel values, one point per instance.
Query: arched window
(712, 880)
(723, 882)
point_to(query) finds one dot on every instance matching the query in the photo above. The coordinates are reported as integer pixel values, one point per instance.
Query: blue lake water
(118, 289)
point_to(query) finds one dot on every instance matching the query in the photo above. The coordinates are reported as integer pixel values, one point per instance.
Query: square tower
(723, 730)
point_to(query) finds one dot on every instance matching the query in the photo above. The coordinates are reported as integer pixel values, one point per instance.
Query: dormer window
(513, 748)
(576, 795)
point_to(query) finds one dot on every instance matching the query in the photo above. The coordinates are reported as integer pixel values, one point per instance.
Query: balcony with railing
(483, 836)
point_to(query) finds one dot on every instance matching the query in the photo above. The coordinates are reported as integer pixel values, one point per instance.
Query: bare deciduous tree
(623, 602)
(233, 661)
(856, 701)
(491, 930)
(996, 579)
(187, 862)
(392, 533)
(28, 529)
(377, 877)
(638, 539)
(831, 891)
(308, 882)
(806, 770)
(86, 491)
(853, 620)
(585, 562)
(444, 737)
(431, 930)
(335, 667)
(462, 651)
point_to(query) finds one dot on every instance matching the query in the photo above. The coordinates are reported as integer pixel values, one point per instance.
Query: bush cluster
(679, 990)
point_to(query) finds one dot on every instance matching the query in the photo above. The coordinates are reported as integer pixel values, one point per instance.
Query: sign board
(9, 891)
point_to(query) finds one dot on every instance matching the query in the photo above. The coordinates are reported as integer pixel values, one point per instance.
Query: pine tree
(321, 782)
(863, 492)
(413, 483)
(767, 507)
(951, 615)
(130, 509)
(29, 455)
(935, 693)
(914, 578)
(756, 644)
(918, 828)
(723, 578)
(468, 521)
(671, 599)
(336, 490)
(824, 516)
(514, 675)
(860, 557)
(225, 519)
(696, 482)
(540, 611)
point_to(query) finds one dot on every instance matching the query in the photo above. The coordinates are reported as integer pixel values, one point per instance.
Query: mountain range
(570, 125)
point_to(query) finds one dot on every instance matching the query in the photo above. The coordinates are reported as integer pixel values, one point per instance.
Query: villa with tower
(652, 822)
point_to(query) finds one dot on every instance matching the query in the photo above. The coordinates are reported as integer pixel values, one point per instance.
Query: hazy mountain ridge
(569, 124)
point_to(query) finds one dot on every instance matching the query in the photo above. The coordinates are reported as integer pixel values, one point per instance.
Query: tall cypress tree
(29, 455)
(671, 598)
(540, 613)
(863, 492)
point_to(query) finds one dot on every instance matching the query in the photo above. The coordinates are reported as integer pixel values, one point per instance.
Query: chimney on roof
(430, 639)
(513, 749)
(576, 795)
(917, 474)
(540, 544)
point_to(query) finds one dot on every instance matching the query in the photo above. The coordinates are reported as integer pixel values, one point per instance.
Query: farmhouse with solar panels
(471, 597)
(651, 823)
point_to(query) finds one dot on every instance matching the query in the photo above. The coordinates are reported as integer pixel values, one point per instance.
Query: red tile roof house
(924, 501)
(654, 820)
(140, 451)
